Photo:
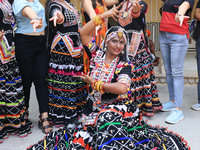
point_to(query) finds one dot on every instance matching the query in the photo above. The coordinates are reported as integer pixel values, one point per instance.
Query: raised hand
(37, 23)
(1, 35)
(136, 6)
(179, 18)
(114, 12)
(57, 18)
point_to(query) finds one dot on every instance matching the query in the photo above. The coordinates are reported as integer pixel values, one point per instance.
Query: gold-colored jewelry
(98, 86)
(125, 15)
(97, 20)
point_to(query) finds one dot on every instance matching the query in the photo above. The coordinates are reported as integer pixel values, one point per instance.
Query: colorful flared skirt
(143, 86)
(67, 93)
(13, 114)
(118, 126)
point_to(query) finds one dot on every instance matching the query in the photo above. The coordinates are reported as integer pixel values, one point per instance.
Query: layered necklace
(103, 71)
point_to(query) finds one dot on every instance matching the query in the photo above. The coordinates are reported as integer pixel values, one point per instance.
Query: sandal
(40, 124)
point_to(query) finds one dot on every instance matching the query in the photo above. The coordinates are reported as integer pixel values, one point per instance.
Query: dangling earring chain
(105, 48)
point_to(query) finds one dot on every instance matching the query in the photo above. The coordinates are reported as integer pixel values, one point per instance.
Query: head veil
(120, 32)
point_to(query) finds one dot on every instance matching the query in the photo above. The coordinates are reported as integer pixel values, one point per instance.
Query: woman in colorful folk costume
(90, 9)
(13, 114)
(116, 122)
(67, 94)
(143, 86)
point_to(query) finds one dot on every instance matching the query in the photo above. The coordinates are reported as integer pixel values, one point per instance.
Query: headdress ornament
(117, 31)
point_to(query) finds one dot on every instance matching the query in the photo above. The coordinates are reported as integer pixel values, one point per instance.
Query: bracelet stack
(98, 86)
(135, 15)
(97, 20)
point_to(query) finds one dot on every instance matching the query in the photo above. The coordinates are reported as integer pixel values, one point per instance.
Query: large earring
(122, 52)
(105, 48)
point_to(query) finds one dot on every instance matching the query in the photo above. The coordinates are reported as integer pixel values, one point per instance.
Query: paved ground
(188, 128)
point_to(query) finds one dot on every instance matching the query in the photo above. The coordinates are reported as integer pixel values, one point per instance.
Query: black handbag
(194, 29)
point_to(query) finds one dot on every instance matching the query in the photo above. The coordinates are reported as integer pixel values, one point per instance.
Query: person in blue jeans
(197, 16)
(173, 40)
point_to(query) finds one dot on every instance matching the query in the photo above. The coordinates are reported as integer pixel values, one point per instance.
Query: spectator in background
(32, 55)
(197, 16)
(173, 38)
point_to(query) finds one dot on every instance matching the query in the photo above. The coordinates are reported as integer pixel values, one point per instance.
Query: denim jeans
(173, 49)
(198, 66)
(32, 58)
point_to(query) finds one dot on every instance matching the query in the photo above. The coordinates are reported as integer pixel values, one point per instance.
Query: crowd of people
(95, 82)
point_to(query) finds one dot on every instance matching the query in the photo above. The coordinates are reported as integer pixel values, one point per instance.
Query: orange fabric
(62, 106)
(100, 34)
(65, 53)
(148, 32)
(126, 114)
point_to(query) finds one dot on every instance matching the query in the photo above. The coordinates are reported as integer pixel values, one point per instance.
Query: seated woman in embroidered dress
(110, 73)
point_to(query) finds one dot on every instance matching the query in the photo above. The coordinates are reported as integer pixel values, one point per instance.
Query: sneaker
(175, 116)
(168, 106)
(196, 106)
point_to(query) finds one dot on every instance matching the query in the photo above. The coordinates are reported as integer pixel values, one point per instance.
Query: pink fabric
(72, 73)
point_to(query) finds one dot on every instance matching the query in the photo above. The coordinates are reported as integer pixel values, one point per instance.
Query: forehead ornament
(120, 33)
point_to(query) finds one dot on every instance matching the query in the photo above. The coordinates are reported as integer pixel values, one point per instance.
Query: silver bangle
(37, 18)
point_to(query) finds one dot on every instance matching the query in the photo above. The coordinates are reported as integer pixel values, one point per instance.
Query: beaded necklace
(103, 71)
(125, 18)
(125, 13)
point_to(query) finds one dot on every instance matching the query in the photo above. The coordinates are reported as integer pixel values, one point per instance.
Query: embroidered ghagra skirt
(143, 86)
(118, 126)
(13, 114)
(67, 93)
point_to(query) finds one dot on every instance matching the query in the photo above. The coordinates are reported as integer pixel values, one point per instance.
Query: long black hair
(11, 1)
(94, 5)
(50, 30)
